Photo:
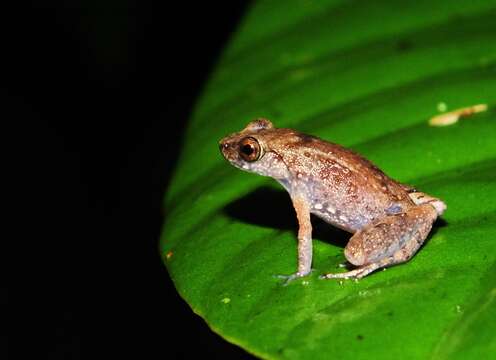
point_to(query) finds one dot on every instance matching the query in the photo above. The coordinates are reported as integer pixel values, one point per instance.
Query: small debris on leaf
(441, 106)
(452, 117)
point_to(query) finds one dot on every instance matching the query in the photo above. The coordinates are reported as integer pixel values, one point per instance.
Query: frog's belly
(343, 220)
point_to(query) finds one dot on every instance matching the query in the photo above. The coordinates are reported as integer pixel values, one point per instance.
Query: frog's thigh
(390, 240)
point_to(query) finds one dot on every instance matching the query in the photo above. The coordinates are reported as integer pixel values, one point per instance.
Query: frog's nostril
(223, 146)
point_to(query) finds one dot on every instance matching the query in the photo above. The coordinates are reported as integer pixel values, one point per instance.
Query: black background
(98, 94)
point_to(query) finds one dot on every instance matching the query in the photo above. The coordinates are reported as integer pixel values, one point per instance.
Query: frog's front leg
(387, 241)
(304, 238)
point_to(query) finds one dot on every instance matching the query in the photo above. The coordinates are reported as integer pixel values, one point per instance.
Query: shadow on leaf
(272, 208)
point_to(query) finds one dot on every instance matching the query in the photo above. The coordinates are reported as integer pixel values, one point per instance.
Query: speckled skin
(389, 220)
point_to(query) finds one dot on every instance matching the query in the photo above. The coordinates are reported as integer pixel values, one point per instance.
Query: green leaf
(367, 75)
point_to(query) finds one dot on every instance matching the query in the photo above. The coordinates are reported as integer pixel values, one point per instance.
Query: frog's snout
(227, 150)
(223, 146)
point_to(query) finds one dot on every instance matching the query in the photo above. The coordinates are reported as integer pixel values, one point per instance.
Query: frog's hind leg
(387, 241)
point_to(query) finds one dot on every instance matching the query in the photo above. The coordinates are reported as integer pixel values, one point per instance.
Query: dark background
(98, 94)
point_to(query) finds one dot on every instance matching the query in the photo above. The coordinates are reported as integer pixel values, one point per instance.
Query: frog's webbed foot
(289, 278)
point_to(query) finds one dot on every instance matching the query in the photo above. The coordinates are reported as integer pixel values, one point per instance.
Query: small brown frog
(389, 220)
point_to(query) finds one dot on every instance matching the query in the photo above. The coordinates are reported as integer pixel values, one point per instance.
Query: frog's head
(250, 150)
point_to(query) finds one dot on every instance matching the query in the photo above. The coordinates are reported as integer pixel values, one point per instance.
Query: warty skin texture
(389, 220)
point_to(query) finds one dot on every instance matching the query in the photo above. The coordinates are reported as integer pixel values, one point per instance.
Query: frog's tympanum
(389, 220)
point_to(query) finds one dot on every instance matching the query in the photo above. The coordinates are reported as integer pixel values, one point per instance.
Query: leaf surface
(367, 75)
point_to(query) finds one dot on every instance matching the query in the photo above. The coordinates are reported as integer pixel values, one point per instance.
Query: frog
(388, 220)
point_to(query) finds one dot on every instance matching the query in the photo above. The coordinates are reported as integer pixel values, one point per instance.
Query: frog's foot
(353, 274)
(289, 278)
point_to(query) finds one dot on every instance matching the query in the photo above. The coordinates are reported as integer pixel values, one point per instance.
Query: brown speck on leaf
(452, 117)
(169, 254)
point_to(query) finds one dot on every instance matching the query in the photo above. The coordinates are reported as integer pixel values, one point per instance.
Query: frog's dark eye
(249, 149)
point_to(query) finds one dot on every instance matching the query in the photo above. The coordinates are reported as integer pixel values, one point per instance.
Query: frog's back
(342, 186)
(328, 161)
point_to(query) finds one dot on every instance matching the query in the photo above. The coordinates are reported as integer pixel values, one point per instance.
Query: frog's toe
(289, 278)
(345, 275)
(353, 274)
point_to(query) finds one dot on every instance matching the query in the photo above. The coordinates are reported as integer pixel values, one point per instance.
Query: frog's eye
(249, 149)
